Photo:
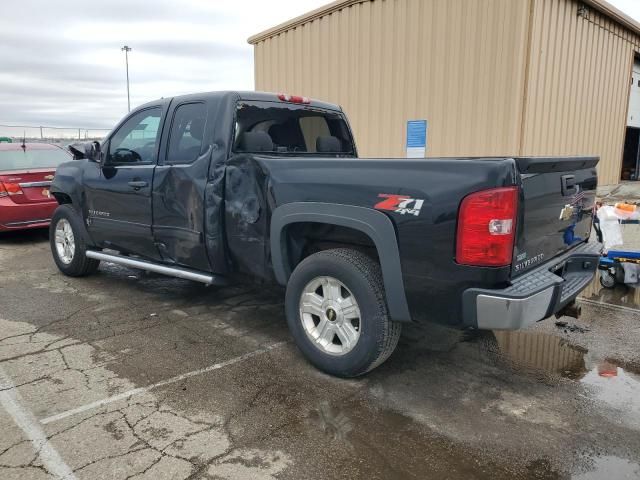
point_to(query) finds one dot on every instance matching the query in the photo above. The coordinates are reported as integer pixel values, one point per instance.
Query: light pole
(126, 51)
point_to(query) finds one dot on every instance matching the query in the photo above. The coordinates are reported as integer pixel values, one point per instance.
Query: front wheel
(337, 313)
(68, 245)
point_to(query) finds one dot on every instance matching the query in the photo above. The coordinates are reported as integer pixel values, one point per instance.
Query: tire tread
(372, 271)
(81, 265)
(369, 270)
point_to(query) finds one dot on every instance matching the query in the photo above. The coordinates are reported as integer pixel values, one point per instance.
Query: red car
(26, 171)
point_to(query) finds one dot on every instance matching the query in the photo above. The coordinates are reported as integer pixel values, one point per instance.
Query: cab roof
(248, 96)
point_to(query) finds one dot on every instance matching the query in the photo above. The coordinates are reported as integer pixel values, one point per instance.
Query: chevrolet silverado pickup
(260, 187)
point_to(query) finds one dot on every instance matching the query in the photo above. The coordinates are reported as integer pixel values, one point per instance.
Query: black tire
(80, 265)
(362, 278)
(607, 279)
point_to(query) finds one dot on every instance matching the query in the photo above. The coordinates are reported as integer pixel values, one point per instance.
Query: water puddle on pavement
(550, 406)
(621, 295)
(609, 467)
(610, 386)
(616, 388)
(554, 356)
(608, 382)
(540, 352)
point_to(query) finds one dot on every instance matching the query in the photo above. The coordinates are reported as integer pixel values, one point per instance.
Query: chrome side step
(157, 268)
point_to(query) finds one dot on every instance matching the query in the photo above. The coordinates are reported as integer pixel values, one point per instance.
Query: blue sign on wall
(416, 138)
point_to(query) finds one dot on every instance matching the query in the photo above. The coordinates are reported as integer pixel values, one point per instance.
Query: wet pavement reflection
(612, 387)
(552, 407)
(618, 389)
(609, 468)
(549, 354)
(621, 295)
(613, 383)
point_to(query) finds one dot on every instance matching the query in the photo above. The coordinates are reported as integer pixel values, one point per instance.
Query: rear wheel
(337, 313)
(68, 245)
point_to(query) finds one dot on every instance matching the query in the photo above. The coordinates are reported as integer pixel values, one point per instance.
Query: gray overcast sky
(61, 64)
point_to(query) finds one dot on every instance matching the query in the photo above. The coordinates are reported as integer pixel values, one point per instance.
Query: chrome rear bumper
(534, 296)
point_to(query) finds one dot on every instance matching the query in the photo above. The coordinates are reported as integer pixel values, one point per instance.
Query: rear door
(179, 185)
(118, 191)
(557, 208)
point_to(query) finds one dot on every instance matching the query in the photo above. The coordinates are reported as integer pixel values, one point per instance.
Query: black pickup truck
(261, 187)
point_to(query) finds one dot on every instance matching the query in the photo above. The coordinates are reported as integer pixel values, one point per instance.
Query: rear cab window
(290, 129)
(32, 158)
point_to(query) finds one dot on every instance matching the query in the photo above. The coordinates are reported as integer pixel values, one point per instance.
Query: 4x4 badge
(400, 204)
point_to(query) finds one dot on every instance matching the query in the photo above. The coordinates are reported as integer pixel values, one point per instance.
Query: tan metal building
(491, 77)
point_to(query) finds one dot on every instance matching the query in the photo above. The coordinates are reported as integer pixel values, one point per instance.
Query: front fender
(68, 181)
(376, 225)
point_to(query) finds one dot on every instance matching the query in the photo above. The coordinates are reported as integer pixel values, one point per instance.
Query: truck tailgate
(557, 208)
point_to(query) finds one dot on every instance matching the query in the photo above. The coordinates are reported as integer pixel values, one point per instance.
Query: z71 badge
(400, 204)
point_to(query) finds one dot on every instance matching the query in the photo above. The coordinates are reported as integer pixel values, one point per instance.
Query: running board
(157, 268)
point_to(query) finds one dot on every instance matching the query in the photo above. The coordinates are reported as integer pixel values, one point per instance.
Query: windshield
(271, 127)
(29, 159)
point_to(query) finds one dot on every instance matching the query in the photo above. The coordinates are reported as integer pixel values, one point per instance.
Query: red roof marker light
(293, 98)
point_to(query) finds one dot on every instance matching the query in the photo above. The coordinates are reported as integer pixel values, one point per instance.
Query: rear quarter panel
(432, 279)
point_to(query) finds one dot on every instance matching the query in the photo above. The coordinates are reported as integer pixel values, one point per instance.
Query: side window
(187, 130)
(136, 140)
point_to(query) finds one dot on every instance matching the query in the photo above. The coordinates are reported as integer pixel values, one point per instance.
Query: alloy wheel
(65, 242)
(330, 315)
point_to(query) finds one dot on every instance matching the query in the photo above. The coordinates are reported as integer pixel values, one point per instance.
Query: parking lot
(131, 375)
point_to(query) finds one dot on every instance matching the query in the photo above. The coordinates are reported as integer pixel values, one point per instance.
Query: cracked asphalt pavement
(128, 375)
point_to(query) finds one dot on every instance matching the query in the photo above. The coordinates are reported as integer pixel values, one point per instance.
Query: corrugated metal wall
(492, 77)
(457, 63)
(578, 85)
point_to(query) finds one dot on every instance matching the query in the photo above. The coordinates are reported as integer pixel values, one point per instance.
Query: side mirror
(88, 150)
(92, 151)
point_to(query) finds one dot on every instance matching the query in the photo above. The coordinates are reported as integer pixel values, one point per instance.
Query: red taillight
(10, 189)
(293, 98)
(487, 228)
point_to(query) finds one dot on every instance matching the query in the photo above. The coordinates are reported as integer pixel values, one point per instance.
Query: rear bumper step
(171, 271)
(533, 296)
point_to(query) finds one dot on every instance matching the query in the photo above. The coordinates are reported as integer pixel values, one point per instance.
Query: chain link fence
(58, 135)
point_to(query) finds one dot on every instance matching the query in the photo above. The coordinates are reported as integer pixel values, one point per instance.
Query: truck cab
(156, 188)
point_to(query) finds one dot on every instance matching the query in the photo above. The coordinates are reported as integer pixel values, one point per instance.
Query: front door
(118, 190)
(179, 187)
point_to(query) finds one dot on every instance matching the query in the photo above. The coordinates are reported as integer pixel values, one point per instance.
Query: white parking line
(23, 418)
(137, 391)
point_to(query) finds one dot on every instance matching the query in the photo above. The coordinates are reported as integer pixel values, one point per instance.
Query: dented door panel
(178, 213)
(246, 217)
(180, 183)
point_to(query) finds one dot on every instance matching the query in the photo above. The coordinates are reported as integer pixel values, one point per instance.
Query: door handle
(138, 184)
